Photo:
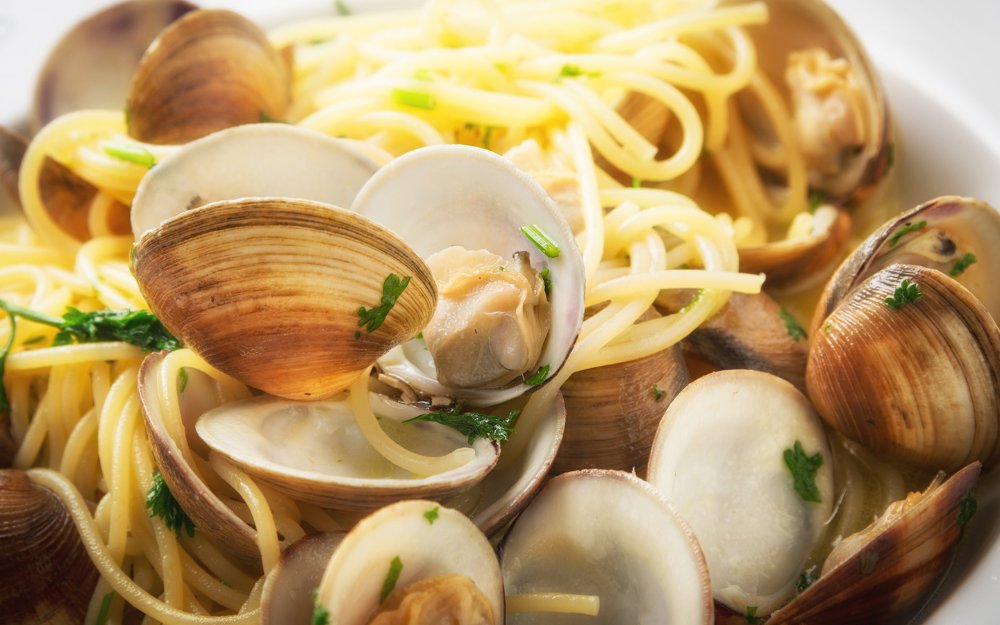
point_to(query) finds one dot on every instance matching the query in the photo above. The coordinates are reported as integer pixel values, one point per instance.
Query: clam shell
(919, 384)
(607, 533)
(268, 290)
(209, 70)
(92, 65)
(47, 575)
(441, 196)
(428, 538)
(286, 598)
(315, 451)
(255, 160)
(895, 572)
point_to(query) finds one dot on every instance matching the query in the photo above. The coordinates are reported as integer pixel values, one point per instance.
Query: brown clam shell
(287, 594)
(894, 573)
(46, 575)
(209, 70)
(268, 290)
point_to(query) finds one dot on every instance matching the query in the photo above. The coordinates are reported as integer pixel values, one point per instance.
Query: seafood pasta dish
(533, 311)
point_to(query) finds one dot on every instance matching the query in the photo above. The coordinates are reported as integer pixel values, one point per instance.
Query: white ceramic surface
(937, 59)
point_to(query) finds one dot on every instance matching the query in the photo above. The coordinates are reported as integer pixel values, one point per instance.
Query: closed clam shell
(46, 575)
(268, 290)
(896, 570)
(920, 384)
(209, 70)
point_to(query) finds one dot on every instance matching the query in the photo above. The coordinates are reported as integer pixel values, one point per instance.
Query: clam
(316, 452)
(254, 160)
(745, 460)
(414, 557)
(271, 291)
(209, 70)
(92, 65)
(886, 572)
(907, 364)
(839, 111)
(47, 575)
(469, 213)
(286, 598)
(609, 535)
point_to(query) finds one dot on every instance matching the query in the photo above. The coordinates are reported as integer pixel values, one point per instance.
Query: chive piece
(415, 99)
(102, 613)
(538, 376)
(803, 469)
(906, 293)
(792, 326)
(905, 230)
(372, 318)
(395, 568)
(961, 265)
(541, 240)
(135, 154)
(432, 514)
(546, 277)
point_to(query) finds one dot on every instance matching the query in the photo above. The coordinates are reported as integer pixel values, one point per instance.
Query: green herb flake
(341, 7)
(816, 199)
(574, 71)
(265, 118)
(792, 326)
(372, 318)
(827, 327)
(806, 579)
(472, 424)
(636, 183)
(539, 376)
(395, 568)
(694, 300)
(182, 379)
(136, 327)
(102, 612)
(870, 421)
(966, 509)
(546, 277)
(488, 136)
(432, 514)
(906, 229)
(803, 469)
(135, 154)
(4, 401)
(541, 240)
(906, 293)
(320, 615)
(751, 615)
(961, 265)
(414, 99)
(160, 502)
(658, 393)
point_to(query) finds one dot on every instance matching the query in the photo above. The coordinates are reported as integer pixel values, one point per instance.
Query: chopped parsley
(341, 7)
(907, 228)
(432, 514)
(488, 136)
(658, 393)
(414, 99)
(751, 615)
(102, 612)
(472, 424)
(160, 502)
(636, 183)
(961, 265)
(792, 326)
(806, 579)
(395, 568)
(816, 199)
(574, 71)
(546, 277)
(906, 293)
(320, 615)
(541, 240)
(135, 154)
(966, 509)
(694, 300)
(538, 377)
(372, 318)
(803, 469)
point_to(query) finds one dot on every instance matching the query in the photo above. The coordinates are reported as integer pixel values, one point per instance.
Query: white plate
(937, 61)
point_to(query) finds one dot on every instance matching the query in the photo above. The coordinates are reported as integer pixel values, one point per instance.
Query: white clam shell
(441, 196)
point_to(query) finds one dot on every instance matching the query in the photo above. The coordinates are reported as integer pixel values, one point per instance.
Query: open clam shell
(254, 160)
(443, 196)
(286, 598)
(893, 572)
(268, 290)
(607, 533)
(736, 453)
(917, 382)
(315, 451)
(92, 65)
(209, 70)
(427, 540)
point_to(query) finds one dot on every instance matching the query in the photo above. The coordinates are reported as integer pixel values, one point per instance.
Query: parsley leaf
(546, 277)
(792, 326)
(472, 424)
(372, 318)
(432, 514)
(136, 327)
(395, 568)
(906, 293)
(538, 377)
(806, 579)
(320, 615)
(907, 228)
(160, 502)
(751, 615)
(961, 265)
(803, 469)
(658, 393)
